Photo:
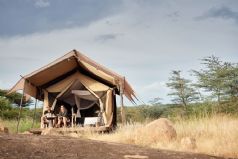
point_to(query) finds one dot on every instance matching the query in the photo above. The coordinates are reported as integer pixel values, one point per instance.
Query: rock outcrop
(160, 130)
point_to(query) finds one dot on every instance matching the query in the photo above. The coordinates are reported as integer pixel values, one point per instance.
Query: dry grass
(216, 135)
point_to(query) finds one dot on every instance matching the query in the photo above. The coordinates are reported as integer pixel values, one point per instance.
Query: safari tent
(80, 84)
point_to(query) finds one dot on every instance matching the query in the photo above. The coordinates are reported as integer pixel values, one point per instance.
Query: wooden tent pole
(123, 116)
(72, 117)
(20, 108)
(34, 117)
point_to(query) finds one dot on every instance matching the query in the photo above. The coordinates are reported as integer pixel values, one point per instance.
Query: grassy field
(25, 124)
(217, 135)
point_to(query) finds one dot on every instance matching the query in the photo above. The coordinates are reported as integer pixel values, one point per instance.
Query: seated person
(46, 114)
(62, 116)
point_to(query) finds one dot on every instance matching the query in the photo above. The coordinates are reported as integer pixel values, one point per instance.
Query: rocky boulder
(160, 130)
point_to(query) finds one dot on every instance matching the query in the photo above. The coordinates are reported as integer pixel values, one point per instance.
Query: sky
(143, 40)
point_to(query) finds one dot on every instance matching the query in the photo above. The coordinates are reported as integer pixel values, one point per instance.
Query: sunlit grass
(217, 135)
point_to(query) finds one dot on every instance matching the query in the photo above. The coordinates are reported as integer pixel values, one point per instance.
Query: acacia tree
(231, 80)
(155, 101)
(220, 78)
(183, 92)
(15, 98)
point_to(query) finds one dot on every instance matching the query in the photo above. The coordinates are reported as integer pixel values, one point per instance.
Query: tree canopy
(218, 77)
(182, 90)
(15, 98)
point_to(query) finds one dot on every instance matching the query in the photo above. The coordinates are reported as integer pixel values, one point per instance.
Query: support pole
(34, 117)
(20, 109)
(46, 101)
(123, 116)
(72, 117)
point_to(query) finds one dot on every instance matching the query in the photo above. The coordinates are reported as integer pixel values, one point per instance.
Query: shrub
(4, 105)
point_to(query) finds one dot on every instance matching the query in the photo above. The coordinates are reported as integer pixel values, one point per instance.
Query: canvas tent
(76, 80)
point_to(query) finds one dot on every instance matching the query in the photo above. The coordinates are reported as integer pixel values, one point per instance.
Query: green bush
(151, 112)
(229, 107)
(10, 114)
(175, 111)
(4, 106)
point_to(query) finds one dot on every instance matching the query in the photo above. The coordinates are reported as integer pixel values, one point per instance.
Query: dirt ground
(34, 146)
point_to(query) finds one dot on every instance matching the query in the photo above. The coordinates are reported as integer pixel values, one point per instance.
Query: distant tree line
(217, 78)
(214, 90)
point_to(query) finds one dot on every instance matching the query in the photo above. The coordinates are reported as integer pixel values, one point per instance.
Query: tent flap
(22, 84)
(18, 86)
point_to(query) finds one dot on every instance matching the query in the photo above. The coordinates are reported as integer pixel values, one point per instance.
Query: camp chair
(49, 123)
(46, 124)
(62, 124)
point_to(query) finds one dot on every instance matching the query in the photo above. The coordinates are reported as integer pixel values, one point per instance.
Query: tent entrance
(77, 99)
(83, 96)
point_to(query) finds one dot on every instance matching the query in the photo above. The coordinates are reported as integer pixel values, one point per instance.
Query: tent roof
(70, 63)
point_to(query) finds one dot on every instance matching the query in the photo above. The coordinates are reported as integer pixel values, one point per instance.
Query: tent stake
(34, 117)
(20, 109)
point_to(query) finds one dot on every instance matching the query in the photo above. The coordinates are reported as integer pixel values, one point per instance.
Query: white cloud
(42, 3)
(155, 86)
(153, 90)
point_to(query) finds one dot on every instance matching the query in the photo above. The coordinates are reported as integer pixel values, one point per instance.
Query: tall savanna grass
(215, 135)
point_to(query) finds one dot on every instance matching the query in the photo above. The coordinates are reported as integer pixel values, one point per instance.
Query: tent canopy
(64, 70)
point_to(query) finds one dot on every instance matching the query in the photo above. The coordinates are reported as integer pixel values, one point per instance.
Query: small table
(50, 119)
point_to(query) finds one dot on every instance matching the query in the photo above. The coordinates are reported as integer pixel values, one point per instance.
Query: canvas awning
(65, 67)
